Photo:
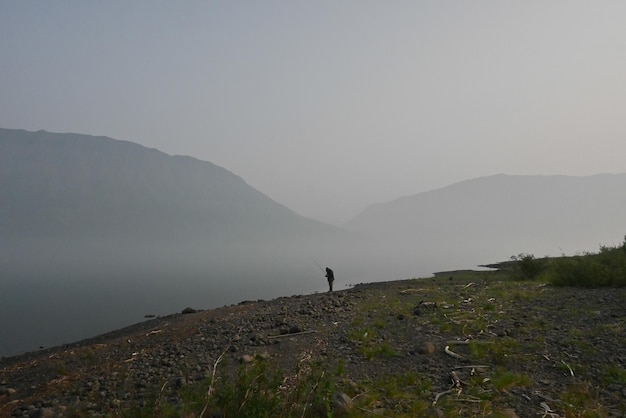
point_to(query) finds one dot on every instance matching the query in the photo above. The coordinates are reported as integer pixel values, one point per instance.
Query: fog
(329, 107)
(325, 108)
(99, 232)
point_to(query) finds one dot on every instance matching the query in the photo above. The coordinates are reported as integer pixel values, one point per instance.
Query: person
(330, 275)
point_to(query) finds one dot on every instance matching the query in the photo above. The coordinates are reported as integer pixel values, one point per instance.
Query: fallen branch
(372, 412)
(292, 334)
(446, 392)
(547, 411)
(468, 399)
(473, 366)
(570, 369)
(467, 341)
(452, 353)
(454, 321)
(456, 381)
(405, 291)
(456, 387)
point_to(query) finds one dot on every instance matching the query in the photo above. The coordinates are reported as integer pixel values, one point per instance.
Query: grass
(505, 379)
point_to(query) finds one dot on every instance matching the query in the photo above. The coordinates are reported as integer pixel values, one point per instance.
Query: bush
(526, 266)
(604, 269)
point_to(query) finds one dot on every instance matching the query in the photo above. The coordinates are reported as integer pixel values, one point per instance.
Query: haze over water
(326, 108)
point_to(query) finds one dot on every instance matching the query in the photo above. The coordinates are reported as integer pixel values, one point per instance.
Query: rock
(434, 413)
(426, 347)
(7, 391)
(188, 311)
(509, 413)
(295, 329)
(246, 359)
(41, 413)
(342, 405)
(180, 382)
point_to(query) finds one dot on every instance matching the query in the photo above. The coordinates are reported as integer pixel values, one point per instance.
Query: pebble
(427, 347)
(246, 359)
(143, 368)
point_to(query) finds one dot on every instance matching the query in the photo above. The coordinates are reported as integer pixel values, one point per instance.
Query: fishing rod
(321, 268)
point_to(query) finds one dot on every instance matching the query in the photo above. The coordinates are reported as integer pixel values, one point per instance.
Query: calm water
(44, 312)
(50, 305)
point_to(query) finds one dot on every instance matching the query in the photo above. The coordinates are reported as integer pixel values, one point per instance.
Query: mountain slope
(79, 188)
(95, 233)
(502, 215)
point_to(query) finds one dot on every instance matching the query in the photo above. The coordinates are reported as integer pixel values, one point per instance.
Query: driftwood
(475, 368)
(547, 411)
(571, 372)
(466, 342)
(454, 321)
(472, 366)
(291, 335)
(456, 387)
(407, 291)
(440, 394)
(456, 381)
(452, 353)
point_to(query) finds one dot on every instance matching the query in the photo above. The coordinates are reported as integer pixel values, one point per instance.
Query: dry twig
(293, 334)
(217, 362)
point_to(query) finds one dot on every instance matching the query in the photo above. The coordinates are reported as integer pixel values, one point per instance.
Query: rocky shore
(460, 344)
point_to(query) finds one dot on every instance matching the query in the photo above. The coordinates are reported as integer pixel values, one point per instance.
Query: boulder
(188, 311)
(342, 405)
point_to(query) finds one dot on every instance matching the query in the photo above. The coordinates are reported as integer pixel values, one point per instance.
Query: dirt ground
(460, 344)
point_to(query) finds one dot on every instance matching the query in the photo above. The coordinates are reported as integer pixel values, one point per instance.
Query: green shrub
(604, 269)
(526, 266)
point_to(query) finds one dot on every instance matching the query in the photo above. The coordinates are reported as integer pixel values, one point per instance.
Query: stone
(342, 405)
(434, 413)
(188, 311)
(510, 413)
(246, 359)
(41, 413)
(295, 329)
(426, 347)
(7, 391)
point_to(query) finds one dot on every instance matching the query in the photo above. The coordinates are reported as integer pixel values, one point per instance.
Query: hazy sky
(329, 106)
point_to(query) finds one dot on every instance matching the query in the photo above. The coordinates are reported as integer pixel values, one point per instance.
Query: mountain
(95, 233)
(124, 200)
(495, 217)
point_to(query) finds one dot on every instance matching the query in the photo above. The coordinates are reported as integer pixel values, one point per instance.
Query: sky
(330, 106)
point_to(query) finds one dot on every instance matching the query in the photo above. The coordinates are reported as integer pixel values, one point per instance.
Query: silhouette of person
(330, 275)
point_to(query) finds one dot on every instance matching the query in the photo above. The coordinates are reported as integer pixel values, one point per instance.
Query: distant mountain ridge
(83, 188)
(503, 215)
(95, 233)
